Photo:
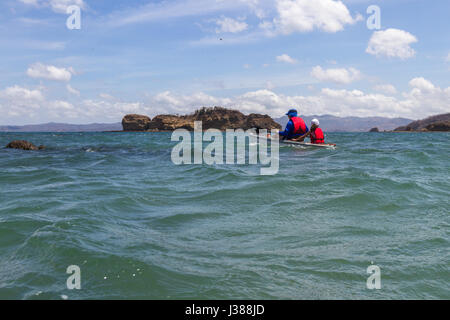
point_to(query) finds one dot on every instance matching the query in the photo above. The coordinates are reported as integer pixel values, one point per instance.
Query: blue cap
(292, 113)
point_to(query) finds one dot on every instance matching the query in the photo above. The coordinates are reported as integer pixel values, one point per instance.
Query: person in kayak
(315, 134)
(295, 128)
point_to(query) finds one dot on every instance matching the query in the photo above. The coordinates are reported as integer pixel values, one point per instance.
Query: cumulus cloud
(341, 75)
(305, 16)
(393, 43)
(21, 94)
(286, 58)
(19, 101)
(41, 71)
(229, 25)
(425, 96)
(422, 84)
(286, 17)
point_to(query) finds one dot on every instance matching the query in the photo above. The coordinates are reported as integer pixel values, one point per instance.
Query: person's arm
(286, 133)
(303, 136)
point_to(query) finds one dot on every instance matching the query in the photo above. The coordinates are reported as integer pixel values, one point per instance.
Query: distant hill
(351, 124)
(440, 122)
(63, 127)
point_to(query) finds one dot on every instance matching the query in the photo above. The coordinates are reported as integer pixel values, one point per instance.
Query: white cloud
(17, 101)
(287, 59)
(341, 76)
(21, 94)
(229, 25)
(386, 88)
(41, 71)
(422, 84)
(448, 57)
(426, 97)
(306, 15)
(393, 43)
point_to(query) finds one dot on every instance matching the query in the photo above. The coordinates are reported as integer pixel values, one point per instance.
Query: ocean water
(140, 227)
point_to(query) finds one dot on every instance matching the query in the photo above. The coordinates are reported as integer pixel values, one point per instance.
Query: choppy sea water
(140, 227)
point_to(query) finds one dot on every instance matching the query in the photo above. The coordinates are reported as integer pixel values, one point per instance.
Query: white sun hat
(315, 121)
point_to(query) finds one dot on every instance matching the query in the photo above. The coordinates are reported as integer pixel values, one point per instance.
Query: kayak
(303, 144)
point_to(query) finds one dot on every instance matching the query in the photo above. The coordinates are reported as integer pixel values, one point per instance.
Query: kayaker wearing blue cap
(295, 128)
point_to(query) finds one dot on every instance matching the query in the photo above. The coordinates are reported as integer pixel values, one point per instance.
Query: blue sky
(264, 56)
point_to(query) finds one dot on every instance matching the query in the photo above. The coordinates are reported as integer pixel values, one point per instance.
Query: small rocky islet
(23, 145)
(211, 118)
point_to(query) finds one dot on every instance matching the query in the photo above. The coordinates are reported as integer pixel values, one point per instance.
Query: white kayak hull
(303, 144)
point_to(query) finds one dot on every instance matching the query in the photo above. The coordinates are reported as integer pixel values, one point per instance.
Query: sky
(264, 56)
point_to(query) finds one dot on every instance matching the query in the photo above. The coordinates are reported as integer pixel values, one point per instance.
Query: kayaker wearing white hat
(315, 133)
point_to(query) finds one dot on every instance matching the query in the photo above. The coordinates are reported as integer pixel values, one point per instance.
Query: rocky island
(439, 122)
(23, 145)
(216, 117)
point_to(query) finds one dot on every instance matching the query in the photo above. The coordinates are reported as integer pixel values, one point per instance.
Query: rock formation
(439, 122)
(374, 130)
(23, 145)
(217, 118)
(439, 126)
(135, 122)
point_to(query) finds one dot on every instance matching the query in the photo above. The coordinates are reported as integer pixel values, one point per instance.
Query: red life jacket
(317, 136)
(299, 125)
